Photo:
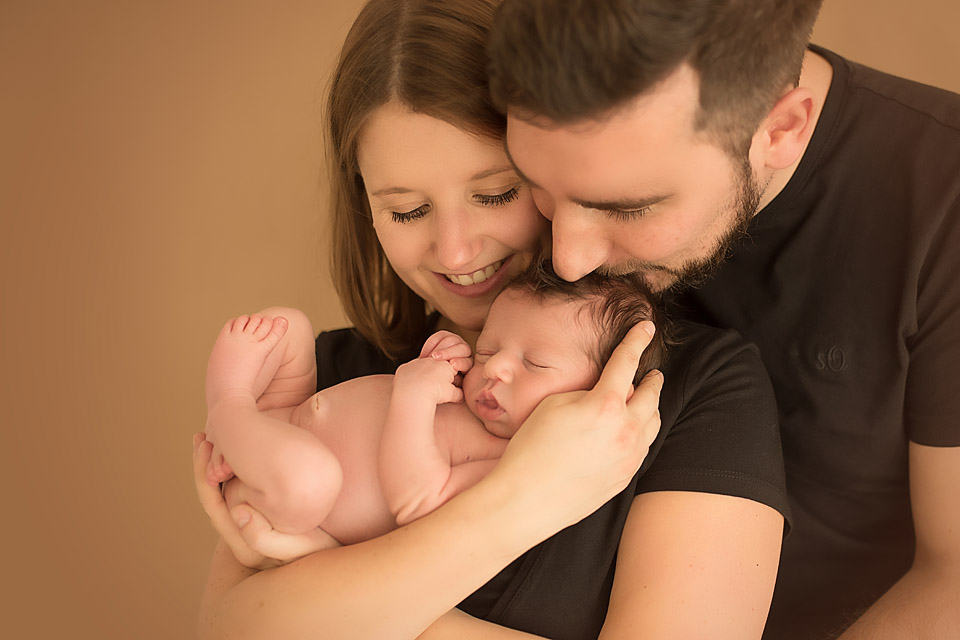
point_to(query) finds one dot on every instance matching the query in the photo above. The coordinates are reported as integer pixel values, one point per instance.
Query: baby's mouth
(487, 405)
(487, 401)
(477, 276)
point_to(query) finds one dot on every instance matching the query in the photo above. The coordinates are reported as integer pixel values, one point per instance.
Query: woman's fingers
(617, 375)
(259, 534)
(216, 508)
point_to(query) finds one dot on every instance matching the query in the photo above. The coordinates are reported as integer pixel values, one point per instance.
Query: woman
(430, 216)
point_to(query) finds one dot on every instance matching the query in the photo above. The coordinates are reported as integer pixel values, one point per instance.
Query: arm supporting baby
(576, 451)
(417, 474)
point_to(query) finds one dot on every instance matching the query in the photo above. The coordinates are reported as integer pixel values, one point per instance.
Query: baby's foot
(239, 354)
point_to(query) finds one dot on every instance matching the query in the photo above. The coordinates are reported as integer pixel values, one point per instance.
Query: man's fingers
(645, 404)
(648, 390)
(617, 374)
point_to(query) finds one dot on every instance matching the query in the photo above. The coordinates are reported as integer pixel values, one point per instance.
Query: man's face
(640, 190)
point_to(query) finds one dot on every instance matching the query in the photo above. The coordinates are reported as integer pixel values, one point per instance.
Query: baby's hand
(444, 345)
(437, 373)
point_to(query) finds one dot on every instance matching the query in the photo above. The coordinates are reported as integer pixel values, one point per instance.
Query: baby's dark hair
(615, 304)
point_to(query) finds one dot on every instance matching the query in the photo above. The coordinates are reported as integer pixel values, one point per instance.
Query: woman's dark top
(719, 434)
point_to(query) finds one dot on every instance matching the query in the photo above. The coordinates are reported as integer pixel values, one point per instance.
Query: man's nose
(579, 244)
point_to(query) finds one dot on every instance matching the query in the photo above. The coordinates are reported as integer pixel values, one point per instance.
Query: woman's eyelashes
(498, 199)
(402, 217)
(486, 200)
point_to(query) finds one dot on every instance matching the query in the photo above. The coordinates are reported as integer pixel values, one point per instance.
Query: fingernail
(648, 327)
(241, 517)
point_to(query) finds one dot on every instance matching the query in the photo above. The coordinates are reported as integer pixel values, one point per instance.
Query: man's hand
(577, 450)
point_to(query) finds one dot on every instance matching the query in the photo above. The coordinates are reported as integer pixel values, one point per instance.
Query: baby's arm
(415, 474)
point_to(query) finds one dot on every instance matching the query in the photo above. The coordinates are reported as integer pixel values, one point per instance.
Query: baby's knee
(309, 488)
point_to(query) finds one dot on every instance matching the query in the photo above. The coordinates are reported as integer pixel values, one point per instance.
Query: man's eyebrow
(625, 204)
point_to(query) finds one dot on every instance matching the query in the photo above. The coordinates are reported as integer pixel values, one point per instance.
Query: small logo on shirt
(834, 360)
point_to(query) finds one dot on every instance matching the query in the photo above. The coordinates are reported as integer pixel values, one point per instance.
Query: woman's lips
(486, 283)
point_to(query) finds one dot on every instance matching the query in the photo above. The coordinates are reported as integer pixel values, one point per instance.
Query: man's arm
(925, 602)
(694, 565)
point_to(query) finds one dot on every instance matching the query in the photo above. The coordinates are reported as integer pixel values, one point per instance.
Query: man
(818, 213)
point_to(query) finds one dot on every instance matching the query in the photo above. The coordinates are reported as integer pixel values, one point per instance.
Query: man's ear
(783, 135)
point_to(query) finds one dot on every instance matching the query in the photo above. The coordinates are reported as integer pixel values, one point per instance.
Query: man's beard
(697, 271)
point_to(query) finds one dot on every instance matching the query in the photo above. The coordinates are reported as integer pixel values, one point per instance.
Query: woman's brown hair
(428, 55)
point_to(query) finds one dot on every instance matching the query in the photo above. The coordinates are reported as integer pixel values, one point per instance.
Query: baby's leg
(298, 482)
(267, 361)
(268, 357)
(294, 378)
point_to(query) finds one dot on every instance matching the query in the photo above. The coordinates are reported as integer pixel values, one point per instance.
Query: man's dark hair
(573, 60)
(614, 304)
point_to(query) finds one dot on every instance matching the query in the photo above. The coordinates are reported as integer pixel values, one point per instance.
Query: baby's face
(527, 351)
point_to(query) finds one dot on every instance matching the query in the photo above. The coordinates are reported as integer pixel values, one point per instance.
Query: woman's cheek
(530, 230)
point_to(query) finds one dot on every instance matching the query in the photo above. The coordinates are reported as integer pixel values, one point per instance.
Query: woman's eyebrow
(389, 191)
(486, 173)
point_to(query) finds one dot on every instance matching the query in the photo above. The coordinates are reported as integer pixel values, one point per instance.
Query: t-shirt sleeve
(719, 426)
(932, 403)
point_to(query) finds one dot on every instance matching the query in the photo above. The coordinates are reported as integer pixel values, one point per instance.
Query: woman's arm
(574, 453)
(694, 565)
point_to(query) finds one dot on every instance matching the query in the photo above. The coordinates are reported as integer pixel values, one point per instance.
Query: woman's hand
(249, 535)
(577, 450)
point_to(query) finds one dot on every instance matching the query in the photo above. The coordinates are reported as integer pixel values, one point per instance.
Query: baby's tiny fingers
(461, 364)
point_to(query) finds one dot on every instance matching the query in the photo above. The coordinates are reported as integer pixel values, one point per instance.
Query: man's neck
(817, 74)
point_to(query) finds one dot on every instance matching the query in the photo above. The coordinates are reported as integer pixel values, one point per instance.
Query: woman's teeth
(477, 276)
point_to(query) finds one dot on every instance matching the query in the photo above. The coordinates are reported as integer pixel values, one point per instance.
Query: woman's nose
(498, 368)
(457, 242)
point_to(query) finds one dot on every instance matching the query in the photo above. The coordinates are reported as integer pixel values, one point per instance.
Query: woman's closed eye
(402, 217)
(498, 199)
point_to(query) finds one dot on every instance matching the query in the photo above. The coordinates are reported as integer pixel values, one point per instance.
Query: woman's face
(452, 215)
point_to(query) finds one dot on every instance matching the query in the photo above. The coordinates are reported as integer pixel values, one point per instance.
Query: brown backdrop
(159, 172)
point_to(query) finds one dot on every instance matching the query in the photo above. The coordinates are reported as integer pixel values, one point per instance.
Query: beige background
(159, 172)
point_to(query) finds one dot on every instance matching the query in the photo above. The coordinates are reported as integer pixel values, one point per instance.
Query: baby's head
(545, 335)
